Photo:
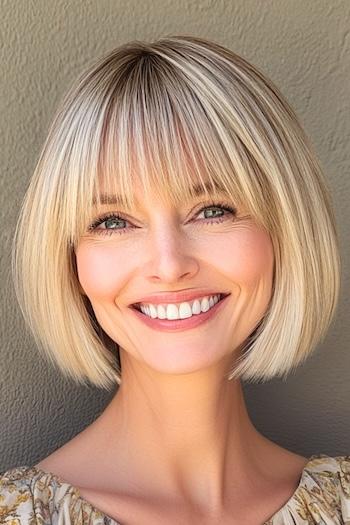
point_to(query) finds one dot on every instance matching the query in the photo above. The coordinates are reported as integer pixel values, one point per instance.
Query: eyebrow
(116, 199)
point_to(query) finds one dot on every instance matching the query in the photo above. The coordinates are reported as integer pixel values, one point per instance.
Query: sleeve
(16, 504)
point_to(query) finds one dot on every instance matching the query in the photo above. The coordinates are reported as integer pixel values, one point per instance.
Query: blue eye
(220, 206)
(115, 218)
(111, 218)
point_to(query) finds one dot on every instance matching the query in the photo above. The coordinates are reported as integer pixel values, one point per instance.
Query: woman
(177, 236)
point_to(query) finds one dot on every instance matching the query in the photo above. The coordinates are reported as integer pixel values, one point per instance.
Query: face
(203, 247)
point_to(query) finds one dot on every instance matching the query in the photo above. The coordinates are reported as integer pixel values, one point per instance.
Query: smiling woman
(160, 248)
(187, 242)
(172, 116)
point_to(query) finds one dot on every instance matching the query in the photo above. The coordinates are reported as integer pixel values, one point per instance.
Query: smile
(193, 313)
(179, 311)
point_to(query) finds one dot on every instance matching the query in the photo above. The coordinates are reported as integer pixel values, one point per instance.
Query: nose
(171, 258)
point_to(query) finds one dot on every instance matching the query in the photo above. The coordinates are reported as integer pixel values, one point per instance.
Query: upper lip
(178, 297)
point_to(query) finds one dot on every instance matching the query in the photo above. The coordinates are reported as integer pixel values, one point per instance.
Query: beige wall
(304, 46)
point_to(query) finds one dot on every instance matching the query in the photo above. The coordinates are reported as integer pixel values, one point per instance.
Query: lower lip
(180, 324)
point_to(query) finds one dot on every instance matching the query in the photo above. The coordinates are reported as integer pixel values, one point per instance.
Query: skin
(175, 414)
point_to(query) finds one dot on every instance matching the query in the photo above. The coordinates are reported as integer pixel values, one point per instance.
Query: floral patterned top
(30, 496)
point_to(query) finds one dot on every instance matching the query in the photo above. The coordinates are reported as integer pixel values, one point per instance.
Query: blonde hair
(172, 111)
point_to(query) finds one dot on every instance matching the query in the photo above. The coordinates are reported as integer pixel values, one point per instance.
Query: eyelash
(104, 231)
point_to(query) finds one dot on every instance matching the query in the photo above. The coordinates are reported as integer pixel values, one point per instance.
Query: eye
(222, 207)
(112, 221)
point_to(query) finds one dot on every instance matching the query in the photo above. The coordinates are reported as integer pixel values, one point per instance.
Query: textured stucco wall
(304, 46)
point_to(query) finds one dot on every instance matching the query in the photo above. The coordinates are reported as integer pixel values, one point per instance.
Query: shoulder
(332, 473)
(29, 495)
(15, 496)
(26, 496)
(323, 494)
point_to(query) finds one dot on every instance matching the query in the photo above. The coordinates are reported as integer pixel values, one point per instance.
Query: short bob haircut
(172, 114)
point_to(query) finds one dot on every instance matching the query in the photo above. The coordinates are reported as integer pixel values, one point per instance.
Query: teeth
(196, 307)
(153, 311)
(205, 304)
(183, 311)
(161, 312)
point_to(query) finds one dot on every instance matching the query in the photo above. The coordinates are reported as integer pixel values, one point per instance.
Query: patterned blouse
(30, 496)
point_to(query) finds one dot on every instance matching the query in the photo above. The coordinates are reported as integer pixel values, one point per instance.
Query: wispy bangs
(151, 131)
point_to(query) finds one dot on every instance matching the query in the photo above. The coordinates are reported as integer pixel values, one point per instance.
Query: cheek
(99, 270)
(249, 257)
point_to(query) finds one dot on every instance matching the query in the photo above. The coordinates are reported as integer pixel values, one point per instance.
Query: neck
(190, 431)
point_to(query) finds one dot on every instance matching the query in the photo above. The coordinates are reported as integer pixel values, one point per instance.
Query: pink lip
(164, 325)
(178, 297)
